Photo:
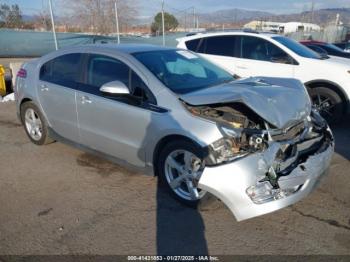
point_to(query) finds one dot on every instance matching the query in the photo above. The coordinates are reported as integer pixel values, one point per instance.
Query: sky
(146, 9)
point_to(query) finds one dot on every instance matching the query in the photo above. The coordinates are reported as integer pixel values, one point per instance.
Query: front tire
(179, 167)
(328, 103)
(35, 124)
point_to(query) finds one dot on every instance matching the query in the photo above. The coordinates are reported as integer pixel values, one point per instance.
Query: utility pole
(53, 25)
(163, 27)
(194, 17)
(117, 20)
(312, 11)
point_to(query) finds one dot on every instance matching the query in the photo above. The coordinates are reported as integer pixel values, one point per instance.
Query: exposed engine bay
(239, 124)
(244, 133)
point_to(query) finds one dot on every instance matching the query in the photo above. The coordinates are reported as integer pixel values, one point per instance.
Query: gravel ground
(58, 200)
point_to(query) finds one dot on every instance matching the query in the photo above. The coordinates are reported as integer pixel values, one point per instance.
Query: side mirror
(115, 88)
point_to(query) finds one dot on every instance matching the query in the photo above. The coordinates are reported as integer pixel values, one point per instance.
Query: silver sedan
(254, 143)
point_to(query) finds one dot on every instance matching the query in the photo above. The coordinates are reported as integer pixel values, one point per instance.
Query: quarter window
(62, 70)
(192, 45)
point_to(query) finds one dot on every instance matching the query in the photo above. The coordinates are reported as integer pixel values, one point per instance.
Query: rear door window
(63, 70)
(218, 45)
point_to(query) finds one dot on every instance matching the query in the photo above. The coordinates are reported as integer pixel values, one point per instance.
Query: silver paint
(132, 133)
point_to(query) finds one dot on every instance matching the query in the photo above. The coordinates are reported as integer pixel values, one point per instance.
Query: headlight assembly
(236, 143)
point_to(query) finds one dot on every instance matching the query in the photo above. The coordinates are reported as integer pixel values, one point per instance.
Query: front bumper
(230, 182)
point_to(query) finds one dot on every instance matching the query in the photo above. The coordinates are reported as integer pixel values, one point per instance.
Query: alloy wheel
(182, 171)
(33, 124)
(324, 105)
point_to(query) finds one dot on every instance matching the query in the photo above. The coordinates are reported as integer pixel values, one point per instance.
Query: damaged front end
(256, 167)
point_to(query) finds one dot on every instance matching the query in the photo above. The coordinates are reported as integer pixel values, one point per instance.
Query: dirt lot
(58, 200)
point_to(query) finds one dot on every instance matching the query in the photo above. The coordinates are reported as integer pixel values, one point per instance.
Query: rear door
(56, 91)
(218, 49)
(115, 126)
(260, 57)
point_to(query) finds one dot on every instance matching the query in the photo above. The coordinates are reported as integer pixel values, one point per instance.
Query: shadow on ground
(180, 230)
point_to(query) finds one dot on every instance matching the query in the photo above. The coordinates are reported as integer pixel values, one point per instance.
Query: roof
(124, 48)
(312, 42)
(200, 35)
(132, 48)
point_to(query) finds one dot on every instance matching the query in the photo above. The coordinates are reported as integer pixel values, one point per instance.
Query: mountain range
(321, 17)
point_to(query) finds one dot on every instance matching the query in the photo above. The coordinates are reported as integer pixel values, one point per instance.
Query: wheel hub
(33, 124)
(182, 171)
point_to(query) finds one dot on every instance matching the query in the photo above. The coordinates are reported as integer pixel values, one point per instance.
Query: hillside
(322, 16)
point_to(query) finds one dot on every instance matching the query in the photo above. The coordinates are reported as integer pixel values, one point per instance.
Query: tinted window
(332, 49)
(318, 49)
(296, 47)
(103, 69)
(218, 45)
(260, 49)
(63, 70)
(183, 71)
(192, 45)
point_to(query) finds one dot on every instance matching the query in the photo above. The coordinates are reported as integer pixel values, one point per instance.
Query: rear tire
(328, 103)
(35, 125)
(178, 167)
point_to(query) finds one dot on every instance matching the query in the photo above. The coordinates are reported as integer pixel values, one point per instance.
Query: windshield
(297, 48)
(183, 71)
(333, 47)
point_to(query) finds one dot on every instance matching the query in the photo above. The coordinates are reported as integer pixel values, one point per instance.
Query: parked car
(319, 50)
(263, 54)
(331, 49)
(256, 143)
(344, 46)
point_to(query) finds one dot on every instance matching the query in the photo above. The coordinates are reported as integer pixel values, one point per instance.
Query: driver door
(113, 125)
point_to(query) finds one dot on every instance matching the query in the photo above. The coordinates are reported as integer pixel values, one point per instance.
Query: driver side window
(102, 69)
(260, 49)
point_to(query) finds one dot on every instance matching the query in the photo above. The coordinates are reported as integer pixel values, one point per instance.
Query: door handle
(242, 67)
(44, 88)
(85, 100)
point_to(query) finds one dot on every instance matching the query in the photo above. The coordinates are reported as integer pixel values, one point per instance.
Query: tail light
(22, 73)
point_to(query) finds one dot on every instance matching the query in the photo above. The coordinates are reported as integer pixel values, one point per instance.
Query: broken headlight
(234, 144)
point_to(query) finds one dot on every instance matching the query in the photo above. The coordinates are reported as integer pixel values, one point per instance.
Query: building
(292, 27)
(267, 26)
(279, 27)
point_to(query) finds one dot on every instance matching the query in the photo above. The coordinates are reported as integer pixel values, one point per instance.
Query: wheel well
(336, 88)
(25, 100)
(165, 140)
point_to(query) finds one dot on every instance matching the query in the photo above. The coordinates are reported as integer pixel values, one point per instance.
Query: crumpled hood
(280, 101)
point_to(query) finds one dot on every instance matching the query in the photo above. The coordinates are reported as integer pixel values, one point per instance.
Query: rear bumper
(230, 182)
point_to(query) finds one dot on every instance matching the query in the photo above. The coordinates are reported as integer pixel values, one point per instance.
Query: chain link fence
(26, 29)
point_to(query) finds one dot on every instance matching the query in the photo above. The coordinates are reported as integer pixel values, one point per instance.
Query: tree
(170, 22)
(43, 18)
(98, 16)
(11, 16)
